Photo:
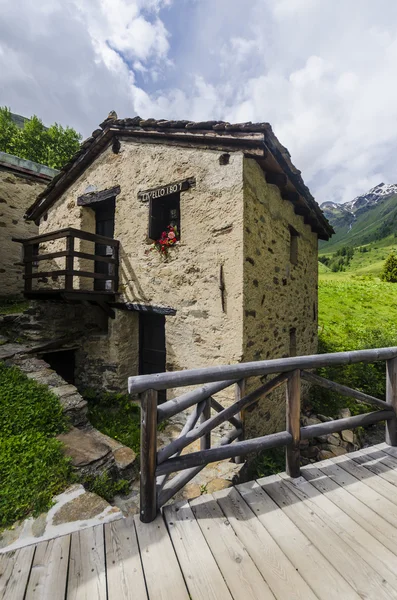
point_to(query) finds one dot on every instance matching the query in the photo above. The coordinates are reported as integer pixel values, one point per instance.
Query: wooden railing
(32, 257)
(158, 464)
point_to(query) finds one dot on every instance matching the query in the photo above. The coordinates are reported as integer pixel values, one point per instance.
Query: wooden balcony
(71, 279)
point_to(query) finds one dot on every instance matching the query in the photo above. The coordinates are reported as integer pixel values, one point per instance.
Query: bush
(104, 486)
(389, 271)
(32, 465)
(32, 470)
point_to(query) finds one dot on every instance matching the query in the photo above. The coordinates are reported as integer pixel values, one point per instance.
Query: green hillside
(372, 224)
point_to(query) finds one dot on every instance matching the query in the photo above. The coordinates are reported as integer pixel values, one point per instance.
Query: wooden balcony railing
(157, 464)
(33, 256)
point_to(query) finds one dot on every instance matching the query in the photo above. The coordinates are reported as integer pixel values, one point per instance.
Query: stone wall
(200, 334)
(17, 192)
(280, 297)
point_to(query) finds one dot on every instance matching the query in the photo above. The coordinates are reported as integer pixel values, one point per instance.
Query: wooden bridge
(331, 535)
(326, 531)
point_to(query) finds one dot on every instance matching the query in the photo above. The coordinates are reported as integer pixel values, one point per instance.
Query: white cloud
(322, 73)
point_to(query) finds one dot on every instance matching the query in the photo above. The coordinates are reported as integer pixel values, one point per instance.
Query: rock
(310, 452)
(215, 485)
(325, 455)
(304, 444)
(85, 506)
(310, 421)
(344, 413)
(333, 439)
(335, 450)
(126, 462)
(347, 436)
(324, 419)
(88, 456)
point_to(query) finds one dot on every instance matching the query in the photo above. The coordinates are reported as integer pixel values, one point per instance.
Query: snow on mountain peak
(379, 192)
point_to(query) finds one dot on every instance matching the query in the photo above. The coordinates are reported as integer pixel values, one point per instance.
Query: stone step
(93, 453)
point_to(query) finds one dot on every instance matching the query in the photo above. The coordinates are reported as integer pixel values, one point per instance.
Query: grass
(32, 466)
(9, 306)
(116, 416)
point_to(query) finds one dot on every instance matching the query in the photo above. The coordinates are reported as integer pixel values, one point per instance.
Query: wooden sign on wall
(166, 190)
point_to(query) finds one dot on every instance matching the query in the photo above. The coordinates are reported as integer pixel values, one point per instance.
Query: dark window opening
(292, 341)
(293, 246)
(35, 252)
(162, 213)
(104, 225)
(63, 363)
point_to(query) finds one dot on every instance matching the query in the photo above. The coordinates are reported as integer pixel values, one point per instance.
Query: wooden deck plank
(382, 560)
(317, 571)
(376, 525)
(125, 579)
(14, 573)
(238, 569)
(277, 570)
(361, 490)
(87, 576)
(49, 572)
(378, 462)
(202, 575)
(368, 477)
(359, 574)
(163, 576)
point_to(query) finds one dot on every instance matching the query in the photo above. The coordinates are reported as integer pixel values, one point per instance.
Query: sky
(322, 72)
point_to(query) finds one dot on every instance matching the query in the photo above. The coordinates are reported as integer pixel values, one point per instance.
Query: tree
(8, 130)
(53, 147)
(389, 271)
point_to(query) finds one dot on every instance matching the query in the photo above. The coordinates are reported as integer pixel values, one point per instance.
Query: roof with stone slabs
(256, 140)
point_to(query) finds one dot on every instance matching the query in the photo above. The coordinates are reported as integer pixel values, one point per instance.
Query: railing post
(391, 399)
(115, 254)
(28, 263)
(205, 441)
(148, 497)
(69, 263)
(293, 401)
(239, 392)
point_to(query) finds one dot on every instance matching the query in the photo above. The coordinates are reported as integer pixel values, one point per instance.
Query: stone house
(239, 285)
(20, 183)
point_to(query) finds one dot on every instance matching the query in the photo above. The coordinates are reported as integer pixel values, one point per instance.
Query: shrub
(32, 470)
(32, 465)
(104, 486)
(389, 271)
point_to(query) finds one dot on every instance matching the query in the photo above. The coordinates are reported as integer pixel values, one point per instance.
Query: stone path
(73, 510)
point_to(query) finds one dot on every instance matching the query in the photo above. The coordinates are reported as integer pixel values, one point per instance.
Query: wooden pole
(391, 400)
(148, 496)
(69, 265)
(205, 441)
(293, 400)
(239, 392)
(28, 261)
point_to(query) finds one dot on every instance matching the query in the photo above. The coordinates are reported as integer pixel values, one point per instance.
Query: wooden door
(152, 354)
(104, 225)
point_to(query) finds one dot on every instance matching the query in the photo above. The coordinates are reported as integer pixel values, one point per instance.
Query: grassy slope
(370, 226)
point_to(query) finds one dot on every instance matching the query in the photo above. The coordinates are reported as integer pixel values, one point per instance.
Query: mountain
(368, 218)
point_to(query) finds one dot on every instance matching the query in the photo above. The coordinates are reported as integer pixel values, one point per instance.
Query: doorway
(62, 362)
(152, 353)
(104, 225)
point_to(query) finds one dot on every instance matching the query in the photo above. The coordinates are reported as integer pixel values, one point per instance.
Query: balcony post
(69, 263)
(28, 263)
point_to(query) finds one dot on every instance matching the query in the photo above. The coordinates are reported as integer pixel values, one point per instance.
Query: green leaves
(53, 146)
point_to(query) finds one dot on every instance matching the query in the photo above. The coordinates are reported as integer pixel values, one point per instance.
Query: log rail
(158, 464)
(32, 257)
